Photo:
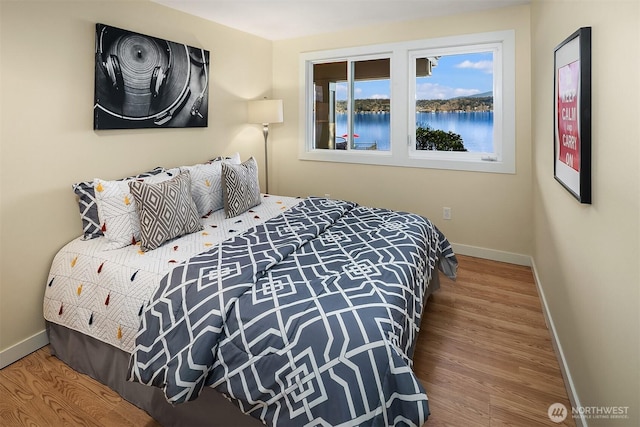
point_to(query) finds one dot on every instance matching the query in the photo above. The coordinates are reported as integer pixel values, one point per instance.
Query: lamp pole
(265, 132)
(265, 111)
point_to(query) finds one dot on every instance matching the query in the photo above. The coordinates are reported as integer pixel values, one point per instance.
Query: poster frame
(572, 114)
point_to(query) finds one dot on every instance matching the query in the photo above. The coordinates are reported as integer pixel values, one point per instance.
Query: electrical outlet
(446, 213)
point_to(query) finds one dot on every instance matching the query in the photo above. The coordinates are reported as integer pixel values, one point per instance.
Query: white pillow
(119, 219)
(206, 183)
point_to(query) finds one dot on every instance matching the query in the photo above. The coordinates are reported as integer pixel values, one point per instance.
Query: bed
(266, 310)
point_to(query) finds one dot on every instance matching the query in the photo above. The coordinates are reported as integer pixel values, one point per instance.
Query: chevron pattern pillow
(240, 187)
(166, 210)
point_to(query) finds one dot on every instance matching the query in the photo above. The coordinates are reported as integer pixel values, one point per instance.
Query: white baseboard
(492, 254)
(23, 348)
(564, 367)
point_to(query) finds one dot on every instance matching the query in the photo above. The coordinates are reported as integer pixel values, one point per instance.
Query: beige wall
(489, 210)
(47, 141)
(587, 257)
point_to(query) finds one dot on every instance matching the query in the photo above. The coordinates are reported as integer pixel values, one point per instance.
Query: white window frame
(402, 105)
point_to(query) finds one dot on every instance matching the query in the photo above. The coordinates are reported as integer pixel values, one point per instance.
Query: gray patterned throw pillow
(166, 210)
(240, 187)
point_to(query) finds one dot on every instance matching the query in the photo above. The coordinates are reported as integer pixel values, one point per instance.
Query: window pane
(371, 114)
(325, 79)
(454, 102)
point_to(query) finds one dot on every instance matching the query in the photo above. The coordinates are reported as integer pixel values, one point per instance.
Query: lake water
(475, 128)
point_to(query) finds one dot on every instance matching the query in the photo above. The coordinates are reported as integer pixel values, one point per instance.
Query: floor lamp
(265, 111)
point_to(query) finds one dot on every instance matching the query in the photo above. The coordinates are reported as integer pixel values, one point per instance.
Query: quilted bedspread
(102, 292)
(307, 319)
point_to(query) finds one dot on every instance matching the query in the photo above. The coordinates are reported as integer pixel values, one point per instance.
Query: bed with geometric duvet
(208, 303)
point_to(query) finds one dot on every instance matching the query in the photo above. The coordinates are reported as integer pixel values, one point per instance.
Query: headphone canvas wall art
(146, 82)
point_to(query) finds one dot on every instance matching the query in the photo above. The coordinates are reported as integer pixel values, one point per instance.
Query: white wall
(587, 256)
(47, 140)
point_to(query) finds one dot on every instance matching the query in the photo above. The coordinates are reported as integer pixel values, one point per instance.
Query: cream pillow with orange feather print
(119, 221)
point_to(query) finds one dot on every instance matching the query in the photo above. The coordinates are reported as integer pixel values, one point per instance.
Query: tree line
(471, 103)
(366, 106)
(468, 104)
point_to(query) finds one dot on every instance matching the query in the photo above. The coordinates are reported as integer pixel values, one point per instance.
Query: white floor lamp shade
(265, 111)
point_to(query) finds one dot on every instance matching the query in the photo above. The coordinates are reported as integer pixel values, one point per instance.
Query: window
(352, 105)
(440, 103)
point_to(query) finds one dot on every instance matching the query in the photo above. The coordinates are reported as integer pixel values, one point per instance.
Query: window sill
(388, 158)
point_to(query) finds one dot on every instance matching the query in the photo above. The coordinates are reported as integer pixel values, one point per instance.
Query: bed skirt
(108, 365)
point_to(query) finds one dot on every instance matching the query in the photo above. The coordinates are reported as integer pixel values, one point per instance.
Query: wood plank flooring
(484, 352)
(484, 355)
(40, 390)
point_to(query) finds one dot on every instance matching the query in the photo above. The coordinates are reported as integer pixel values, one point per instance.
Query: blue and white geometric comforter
(308, 319)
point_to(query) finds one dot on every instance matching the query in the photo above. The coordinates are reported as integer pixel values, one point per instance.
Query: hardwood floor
(484, 355)
(40, 390)
(484, 352)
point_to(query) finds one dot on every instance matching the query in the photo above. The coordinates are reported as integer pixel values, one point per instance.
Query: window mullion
(350, 103)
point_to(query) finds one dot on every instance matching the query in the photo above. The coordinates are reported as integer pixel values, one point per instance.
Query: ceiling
(285, 19)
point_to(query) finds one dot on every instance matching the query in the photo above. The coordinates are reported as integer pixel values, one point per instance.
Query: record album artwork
(147, 82)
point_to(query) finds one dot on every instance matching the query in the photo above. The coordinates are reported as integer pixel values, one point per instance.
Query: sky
(454, 76)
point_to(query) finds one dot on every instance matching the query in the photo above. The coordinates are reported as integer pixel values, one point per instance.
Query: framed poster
(572, 114)
(146, 82)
